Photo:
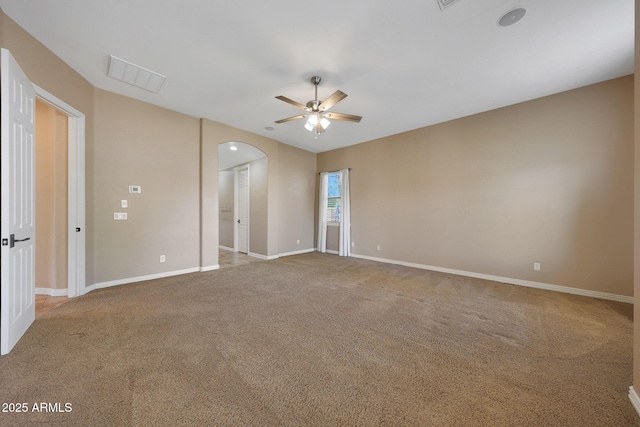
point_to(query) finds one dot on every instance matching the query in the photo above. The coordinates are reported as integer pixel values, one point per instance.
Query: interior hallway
(229, 258)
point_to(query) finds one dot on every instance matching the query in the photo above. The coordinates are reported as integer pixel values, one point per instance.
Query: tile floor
(229, 258)
(45, 303)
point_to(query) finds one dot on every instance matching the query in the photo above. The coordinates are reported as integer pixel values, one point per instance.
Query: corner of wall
(636, 231)
(2, 25)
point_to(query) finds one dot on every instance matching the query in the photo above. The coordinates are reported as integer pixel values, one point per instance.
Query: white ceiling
(404, 64)
(228, 158)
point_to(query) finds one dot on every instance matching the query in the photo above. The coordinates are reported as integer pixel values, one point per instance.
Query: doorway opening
(51, 260)
(66, 232)
(242, 199)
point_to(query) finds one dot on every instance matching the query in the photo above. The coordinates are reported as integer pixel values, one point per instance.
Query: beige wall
(158, 149)
(56, 77)
(258, 206)
(51, 197)
(209, 203)
(333, 238)
(548, 181)
(297, 199)
(225, 197)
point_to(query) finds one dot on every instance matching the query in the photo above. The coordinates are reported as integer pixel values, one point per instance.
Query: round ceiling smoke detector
(512, 16)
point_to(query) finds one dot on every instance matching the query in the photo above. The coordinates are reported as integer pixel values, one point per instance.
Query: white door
(243, 211)
(18, 203)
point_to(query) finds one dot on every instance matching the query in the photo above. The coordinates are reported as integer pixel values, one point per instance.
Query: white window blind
(334, 197)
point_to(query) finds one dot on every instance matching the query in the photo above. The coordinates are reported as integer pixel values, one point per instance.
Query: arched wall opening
(242, 198)
(212, 135)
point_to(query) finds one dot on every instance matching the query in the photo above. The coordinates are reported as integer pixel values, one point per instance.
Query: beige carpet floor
(319, 340)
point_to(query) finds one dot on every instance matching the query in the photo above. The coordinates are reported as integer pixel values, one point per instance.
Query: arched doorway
(242, 201)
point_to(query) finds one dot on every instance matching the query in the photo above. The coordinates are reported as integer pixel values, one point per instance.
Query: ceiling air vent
(135, 75)
(446, 3)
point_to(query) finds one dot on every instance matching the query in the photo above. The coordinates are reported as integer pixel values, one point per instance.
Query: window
(334, 199)
(334, 210)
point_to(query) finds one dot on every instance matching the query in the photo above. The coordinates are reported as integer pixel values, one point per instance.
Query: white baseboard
(110, 283)
(520, 282)
(52, 292)
(226, 248)
(265, 257)
(334, 252)
(210, 268)
(635, 400)
(255, 255)
(303, 251)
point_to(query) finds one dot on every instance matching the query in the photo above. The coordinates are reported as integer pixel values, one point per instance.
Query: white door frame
(236, 193)
(76, 284)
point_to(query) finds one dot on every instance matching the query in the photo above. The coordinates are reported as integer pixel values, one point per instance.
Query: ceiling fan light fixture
(311, 123)
(317, 114)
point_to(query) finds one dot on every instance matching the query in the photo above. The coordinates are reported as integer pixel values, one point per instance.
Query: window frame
(330, 217)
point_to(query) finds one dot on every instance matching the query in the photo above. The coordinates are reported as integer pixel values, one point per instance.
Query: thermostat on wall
(135, 189)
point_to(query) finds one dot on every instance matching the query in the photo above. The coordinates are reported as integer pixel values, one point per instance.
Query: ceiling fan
(317, 112)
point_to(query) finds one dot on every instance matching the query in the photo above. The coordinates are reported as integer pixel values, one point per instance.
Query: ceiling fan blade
(292, 102)
(288, 119)
(332, 100)
(341, 116)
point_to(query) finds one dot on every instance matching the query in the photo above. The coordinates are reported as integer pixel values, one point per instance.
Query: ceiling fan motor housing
(314, 105)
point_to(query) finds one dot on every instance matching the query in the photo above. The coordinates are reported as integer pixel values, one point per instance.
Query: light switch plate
(135, 189)
(119, 216)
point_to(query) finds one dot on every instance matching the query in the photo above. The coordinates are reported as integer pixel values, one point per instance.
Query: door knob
(13, 240)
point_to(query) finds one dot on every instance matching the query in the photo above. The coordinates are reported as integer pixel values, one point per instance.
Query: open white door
(18, 203)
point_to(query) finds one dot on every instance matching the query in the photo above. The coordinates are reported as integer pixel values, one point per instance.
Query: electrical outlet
(124, 204)
(378, 248)
(536, 266)
(297, 242)
(119, 216)
(353, 244)
(162, 258)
